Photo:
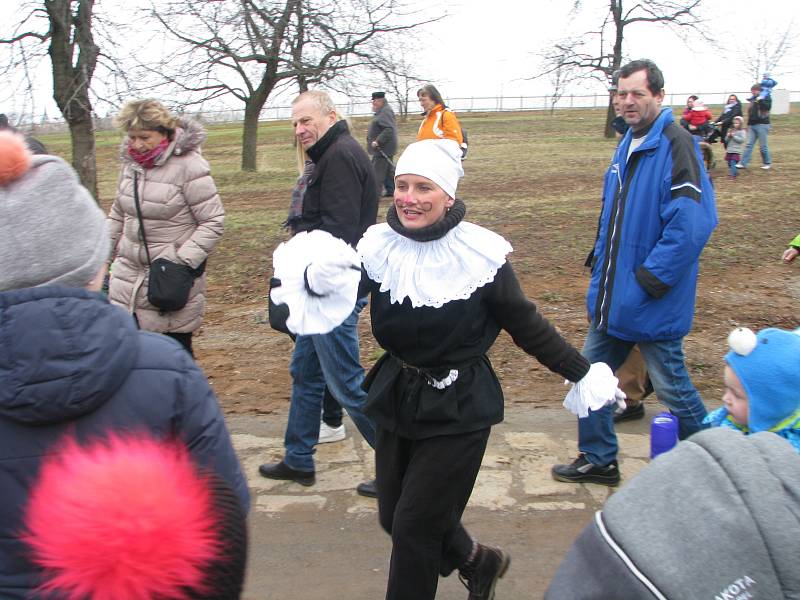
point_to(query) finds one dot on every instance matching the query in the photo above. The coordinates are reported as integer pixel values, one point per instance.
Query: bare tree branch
(247, 48)
(571, 55)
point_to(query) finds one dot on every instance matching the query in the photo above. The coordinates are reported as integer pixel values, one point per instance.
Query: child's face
(735, 398)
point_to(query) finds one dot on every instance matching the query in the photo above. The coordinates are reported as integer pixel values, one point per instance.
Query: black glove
(278, 313)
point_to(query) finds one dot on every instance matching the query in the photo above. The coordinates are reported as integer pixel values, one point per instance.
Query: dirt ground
(247, 362)
(544, 199)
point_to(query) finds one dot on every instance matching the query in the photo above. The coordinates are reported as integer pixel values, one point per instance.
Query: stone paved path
(324, 542)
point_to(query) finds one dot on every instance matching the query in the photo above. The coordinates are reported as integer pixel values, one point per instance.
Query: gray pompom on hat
(51, 230)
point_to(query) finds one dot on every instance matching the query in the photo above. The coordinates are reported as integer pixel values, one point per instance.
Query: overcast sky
(489, 47)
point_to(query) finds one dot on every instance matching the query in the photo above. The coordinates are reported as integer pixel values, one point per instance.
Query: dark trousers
(184, 339)
(384, 174)
(423, 488)
(331, 410)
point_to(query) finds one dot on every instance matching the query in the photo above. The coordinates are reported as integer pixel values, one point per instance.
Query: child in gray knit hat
(51, 230)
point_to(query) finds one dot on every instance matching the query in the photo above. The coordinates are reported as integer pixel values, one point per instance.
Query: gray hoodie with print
(717, 518)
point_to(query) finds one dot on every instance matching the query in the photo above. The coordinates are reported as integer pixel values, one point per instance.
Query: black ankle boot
(480, 575)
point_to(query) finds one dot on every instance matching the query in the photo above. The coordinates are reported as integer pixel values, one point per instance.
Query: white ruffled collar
(436, 272)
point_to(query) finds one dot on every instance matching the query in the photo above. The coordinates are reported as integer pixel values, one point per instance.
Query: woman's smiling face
(419, 201)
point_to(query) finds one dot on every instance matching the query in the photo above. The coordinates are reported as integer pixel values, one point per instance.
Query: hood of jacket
(717, 513)
(189, 136)
(63, 353)
(716, 518)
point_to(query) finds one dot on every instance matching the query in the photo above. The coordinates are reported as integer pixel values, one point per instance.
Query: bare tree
(397, 73)
(596, 54)
(765, 54)
(562, 75)
(250, 48)
(66, 28)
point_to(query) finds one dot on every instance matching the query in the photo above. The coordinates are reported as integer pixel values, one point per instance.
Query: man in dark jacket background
(341, 198)
(658, 213)
(73, 364)
(382, 143)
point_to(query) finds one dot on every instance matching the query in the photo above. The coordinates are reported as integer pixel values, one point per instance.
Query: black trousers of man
(423, 488)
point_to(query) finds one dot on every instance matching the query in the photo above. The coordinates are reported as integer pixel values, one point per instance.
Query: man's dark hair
(655, 78)
(4, 124)
(755, 86)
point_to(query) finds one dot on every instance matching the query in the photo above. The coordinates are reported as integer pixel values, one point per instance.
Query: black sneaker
(369, 489)
(631, 413)
(581, 470)
(283, 471)
(481, 575)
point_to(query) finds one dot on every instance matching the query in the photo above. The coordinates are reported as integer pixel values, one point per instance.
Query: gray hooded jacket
(717, 518)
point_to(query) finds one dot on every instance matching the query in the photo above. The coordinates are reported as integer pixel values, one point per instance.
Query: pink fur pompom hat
(132, 518)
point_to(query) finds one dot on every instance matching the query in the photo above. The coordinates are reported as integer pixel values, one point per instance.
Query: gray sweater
(717, 518)
(737, 141)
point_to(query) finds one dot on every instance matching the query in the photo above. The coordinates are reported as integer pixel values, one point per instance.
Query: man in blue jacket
(71, 364)
(658, 213)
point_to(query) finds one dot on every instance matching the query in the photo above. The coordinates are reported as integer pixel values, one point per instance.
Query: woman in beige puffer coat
(181, 210)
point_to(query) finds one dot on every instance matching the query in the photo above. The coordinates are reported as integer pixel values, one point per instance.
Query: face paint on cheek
(426, 206)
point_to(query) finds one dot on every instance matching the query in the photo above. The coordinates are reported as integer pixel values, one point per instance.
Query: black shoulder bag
(169, 283)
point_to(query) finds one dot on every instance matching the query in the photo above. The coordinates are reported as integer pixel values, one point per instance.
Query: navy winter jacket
(658, 212)
(71, 363)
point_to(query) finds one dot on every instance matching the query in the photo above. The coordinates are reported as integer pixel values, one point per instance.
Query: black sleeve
(366, 285)
(341, 190)
(530, 330)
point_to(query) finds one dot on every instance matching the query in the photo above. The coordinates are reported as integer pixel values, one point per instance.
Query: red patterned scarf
(148, 159)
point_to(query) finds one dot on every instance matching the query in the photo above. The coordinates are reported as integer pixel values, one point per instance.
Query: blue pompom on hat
(769, 372)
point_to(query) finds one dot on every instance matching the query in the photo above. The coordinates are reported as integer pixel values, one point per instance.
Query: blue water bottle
(663, 433)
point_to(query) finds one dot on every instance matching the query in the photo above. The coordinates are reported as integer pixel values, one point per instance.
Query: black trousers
(331, 410)
(423, 488)
(185, 340)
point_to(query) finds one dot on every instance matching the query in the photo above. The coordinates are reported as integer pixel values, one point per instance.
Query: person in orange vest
(440, 122)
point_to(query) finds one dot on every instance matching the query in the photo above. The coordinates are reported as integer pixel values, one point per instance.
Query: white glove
(326, 276)
(597, 389)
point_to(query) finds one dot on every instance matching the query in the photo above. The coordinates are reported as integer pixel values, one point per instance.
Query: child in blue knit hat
(762, 384)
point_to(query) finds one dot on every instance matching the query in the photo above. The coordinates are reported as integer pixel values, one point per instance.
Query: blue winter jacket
(71, 363)
(658, 212)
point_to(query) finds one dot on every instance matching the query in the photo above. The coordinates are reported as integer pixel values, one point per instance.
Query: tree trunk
(250, 135)
(73, 56)
(252, 111)
(84, 153)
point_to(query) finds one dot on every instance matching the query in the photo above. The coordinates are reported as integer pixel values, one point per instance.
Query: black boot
(283, 471)
(480, 574)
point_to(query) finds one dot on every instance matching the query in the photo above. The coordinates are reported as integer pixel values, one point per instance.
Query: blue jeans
(318, 360)
(760, 133)
(670, 379)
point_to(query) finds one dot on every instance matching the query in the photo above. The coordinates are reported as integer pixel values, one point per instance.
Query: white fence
(462, 105)
(489, 104)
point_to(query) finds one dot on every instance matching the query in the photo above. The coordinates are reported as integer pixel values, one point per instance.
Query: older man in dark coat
(382, 143)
